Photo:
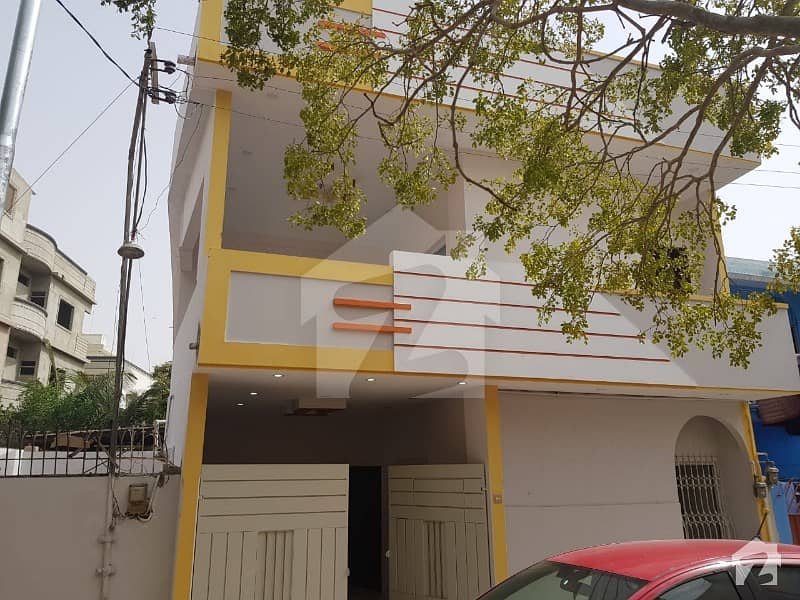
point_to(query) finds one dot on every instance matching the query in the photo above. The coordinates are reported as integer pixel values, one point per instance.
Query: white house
(461, 440)
(44, 295)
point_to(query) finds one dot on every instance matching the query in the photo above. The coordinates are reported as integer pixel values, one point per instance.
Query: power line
(766, 185)
(97, 43)
(144, 318)
(174, 170)
(193, 35)
(71, 144)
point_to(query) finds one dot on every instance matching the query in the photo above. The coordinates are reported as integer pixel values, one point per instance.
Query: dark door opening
(364, 534)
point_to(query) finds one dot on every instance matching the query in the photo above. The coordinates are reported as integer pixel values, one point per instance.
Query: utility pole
(128, 252)
(19, 63)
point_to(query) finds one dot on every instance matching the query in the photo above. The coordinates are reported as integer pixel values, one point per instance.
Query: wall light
(462, 383)
(760, 488)
(240, 404)
(370, 379)
(254, 393)
(277, 375)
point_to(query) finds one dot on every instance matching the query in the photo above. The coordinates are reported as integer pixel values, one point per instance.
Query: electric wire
(97, 43)
(69, 146)
(174, 170)
(144, 318)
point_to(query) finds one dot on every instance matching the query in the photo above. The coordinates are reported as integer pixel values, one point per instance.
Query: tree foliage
(81, 401)
(577, 207)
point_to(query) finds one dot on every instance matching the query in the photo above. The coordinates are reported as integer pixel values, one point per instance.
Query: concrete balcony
(421, 315)
(29, 318)
(44, 256)
(40, 247)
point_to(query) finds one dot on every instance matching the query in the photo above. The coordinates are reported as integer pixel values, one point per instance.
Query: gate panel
(271, 532)
(438, 535)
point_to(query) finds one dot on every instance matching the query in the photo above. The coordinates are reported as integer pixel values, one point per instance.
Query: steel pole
(19, 64)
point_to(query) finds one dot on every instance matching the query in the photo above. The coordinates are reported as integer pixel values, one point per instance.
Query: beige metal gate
(438, 535)
(272, 532)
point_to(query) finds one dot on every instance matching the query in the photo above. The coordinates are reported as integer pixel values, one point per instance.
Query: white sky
(80, 201)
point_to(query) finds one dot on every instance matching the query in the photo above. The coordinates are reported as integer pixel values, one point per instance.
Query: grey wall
(404, 433)
(50, 529)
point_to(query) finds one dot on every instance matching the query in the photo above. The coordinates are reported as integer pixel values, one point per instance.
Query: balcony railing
(29, 317)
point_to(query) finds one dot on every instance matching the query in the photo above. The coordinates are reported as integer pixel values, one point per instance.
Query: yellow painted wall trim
(309, 268)
(210, 31)
(494, 444)
(360, 6)
(215, 351)
(249, 355)
(762, 503)
(218, 169)
(190, 488)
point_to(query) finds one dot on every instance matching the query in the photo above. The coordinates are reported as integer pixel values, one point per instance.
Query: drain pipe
(107, 539)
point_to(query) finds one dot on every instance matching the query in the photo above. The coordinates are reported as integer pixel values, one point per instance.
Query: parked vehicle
(661, 570)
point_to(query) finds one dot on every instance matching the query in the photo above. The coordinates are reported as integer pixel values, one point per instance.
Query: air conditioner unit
(315, 407)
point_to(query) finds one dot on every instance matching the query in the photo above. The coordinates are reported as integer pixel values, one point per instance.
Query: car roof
(653, 559)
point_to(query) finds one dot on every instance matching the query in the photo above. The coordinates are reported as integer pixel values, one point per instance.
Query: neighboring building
(44, 296)
(777, 430)
(102, 361)
(462, 441)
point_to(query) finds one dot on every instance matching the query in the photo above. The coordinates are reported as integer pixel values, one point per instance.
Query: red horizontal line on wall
(505, 304)
(358, 303)
(371, 328)
(535, 353)
(514, 328)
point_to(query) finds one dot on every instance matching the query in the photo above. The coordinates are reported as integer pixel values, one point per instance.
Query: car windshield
(558, 581)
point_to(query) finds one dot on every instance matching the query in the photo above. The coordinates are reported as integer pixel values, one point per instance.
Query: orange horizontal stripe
(535, 352)
(506, 304)
(515, 328)
(371, 328)
(357, 303)
(325, 24)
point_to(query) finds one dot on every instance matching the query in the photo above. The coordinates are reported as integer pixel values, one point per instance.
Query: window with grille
(39, 298)
(27, 368)
(701, 498)
(65, 313)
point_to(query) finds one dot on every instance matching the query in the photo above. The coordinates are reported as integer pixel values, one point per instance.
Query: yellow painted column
(218, 169)
(763, 504)
(494, 447)
(190, 488)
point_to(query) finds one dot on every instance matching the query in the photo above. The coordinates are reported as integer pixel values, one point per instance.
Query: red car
(662, 570)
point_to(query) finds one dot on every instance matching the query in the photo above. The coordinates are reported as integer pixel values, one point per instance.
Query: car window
(784, 585)
(558, 581)
(716, 586)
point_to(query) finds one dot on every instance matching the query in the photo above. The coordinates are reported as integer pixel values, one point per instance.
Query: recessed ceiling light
(277, 375)
(462, 383)
(370, 379)
(240, 404)
(254, 393)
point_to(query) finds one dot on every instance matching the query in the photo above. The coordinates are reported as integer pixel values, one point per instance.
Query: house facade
(102, 361)
(357, 418)
(44, 295)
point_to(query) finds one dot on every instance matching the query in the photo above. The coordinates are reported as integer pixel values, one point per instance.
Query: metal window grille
(701, 498)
